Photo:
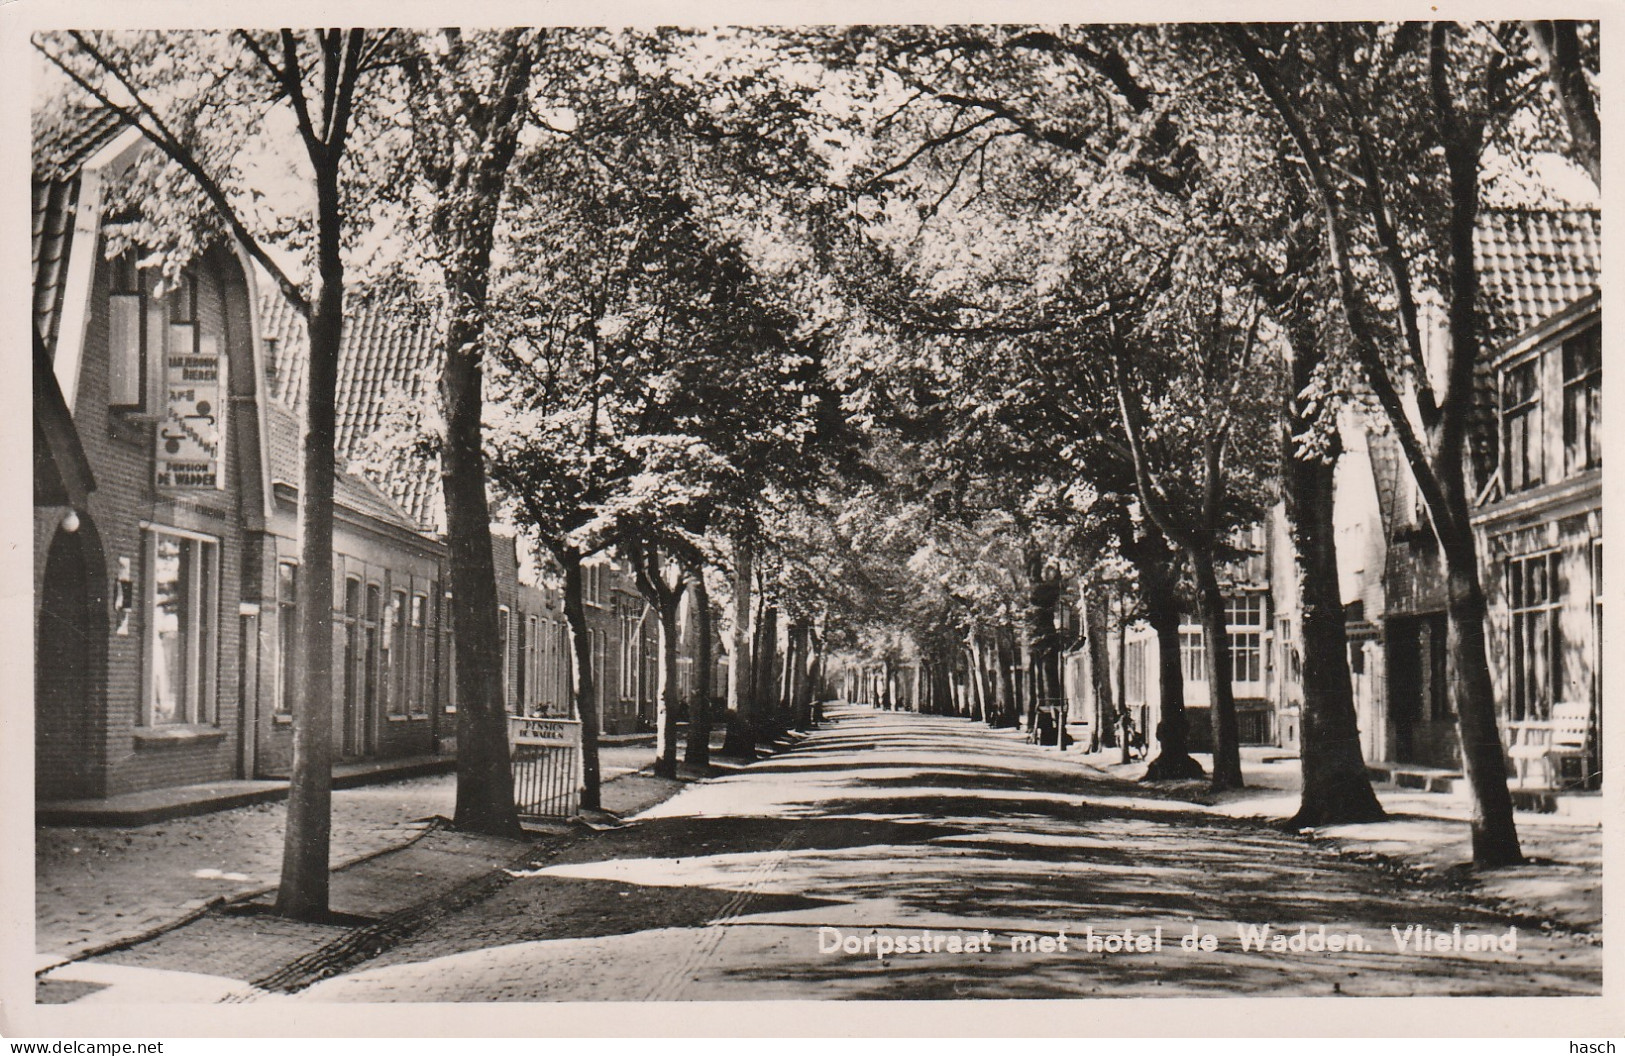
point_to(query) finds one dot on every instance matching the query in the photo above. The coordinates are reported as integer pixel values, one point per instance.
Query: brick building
(167, 465)
(140, 606)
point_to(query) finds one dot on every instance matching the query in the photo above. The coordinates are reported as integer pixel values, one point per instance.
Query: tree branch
(159, 135)
(1366, 347)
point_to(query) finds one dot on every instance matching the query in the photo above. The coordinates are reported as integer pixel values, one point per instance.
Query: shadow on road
(893, 822)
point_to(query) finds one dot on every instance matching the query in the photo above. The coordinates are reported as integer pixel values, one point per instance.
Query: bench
(1566, 735)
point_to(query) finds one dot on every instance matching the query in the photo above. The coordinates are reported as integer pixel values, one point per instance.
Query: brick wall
(121, 744)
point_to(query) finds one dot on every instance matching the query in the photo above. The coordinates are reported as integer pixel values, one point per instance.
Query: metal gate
(546, 760)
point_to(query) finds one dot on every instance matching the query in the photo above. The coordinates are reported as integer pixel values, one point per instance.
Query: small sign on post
(546, 761)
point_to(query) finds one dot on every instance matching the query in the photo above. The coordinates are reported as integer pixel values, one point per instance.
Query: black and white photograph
(710, 512)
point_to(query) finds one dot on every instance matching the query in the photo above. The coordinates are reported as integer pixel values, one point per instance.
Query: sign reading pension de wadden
(190, 451)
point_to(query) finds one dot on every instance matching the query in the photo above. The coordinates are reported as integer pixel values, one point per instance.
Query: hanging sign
(191, 449)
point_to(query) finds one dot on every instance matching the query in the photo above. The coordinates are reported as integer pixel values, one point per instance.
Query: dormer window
(1582, 400)
(1520, 425)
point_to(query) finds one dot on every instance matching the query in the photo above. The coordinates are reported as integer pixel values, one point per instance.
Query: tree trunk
(1104, 734)
(1126, 756)
(767, 673)
(1495, 834)
(820, 689)
(741, 737)
(1336, 786)
(698, 750)
(582, 679)
(1173, 761)
(303, 891)
(1004, 649)
(804, 679)
(1221, 693)
(976, 687)
(670, 692)
(484, 775)
(464, 223)
(887, 701)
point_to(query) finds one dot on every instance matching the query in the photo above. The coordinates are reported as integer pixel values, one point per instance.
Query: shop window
(1536, 653)
(184, 601)
(1582, 401)
(1520, 425)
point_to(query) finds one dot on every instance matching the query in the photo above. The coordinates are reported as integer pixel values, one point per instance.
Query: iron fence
(546, 760)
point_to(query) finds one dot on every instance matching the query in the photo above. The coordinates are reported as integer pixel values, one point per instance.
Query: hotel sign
(191, 448)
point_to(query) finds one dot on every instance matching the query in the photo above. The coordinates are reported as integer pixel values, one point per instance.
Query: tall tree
(1392, 124)
(205, 101)
(662, 579)
(468, 100)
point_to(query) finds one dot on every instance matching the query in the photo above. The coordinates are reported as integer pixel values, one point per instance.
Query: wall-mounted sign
(191, 437)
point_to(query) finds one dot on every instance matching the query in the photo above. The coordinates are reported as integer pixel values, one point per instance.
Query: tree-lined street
(1007, 449)
(893, 824)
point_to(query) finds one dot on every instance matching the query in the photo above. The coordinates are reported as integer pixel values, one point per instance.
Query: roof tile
(382, 359)
(1533, 263)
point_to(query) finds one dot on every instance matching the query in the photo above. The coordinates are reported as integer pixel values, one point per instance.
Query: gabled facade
(1537, 460)
(141, 612)
(167, 467)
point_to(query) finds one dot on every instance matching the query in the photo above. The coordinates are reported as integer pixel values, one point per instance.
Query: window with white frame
(1193, 656)
(183, 602)
(447, 677)
(1536, 653)
(1582, 400)
(1291, 659)
(397, 653)
(502, 645)
(528, 670)
(1244, 616)
(423, 676)
(1134, 672)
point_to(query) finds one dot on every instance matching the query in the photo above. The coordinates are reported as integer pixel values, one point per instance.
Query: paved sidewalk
(95, 886)
(1427, 831)
(239, 951)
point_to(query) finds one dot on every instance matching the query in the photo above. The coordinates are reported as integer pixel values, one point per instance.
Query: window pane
(124, 350)
(287, 594)
(202, 598)
(1582, 353)
(183, 302)
(170, 620)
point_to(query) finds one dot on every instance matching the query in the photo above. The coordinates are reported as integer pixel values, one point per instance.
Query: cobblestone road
(99, 885)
